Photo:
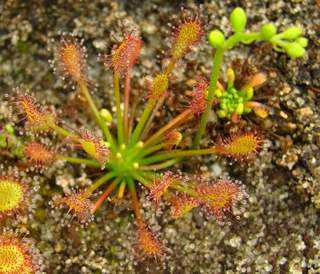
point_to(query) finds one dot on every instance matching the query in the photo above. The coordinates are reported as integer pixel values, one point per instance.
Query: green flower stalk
(290, 41)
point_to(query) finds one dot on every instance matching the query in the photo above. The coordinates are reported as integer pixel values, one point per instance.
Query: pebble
(283, 114)
(305, 112)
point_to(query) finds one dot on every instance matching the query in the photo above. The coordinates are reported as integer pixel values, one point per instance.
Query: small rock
(305, 112)
(286, 90)
(292, 126)
(283, 115)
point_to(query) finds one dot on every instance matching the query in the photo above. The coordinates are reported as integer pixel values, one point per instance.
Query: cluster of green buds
(234, 102)
(290, 40)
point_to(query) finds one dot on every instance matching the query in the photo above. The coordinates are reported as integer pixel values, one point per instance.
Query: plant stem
(133, 109)
(142, 180)
(212, 87)
(161, 165)
(75, 160)
(168, 71)
(149, 123)
(177, 153)
(104, 195)
(173, 123)
(171, 66)
(101, 123)
(100, 182)
(121, 189)
(279, 42)
(116, 83)
(135, 201)
(143, 152)
(184, 190)
(144, 118)
(173, 186)
(233, 40)
(61, 131)
(134, 150)
(126, 104)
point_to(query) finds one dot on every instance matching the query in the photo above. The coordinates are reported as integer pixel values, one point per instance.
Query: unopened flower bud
(268, 31)
(295, 50)
(231, 75)
(291, 33)
(239, 109)
(106, 115)
(218, 93)
(302, 41)
(216, 38)
(221, 113)
(238, 19)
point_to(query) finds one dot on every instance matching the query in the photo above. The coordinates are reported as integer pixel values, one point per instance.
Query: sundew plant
(138, 156)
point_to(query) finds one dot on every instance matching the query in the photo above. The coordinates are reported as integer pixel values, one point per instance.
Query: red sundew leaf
(79, 205)
(94, 146)
(37, 117)
(240, 146)
(14, 195)
(220, 197)
(173, 138)
(160, 186)
(17, 255)
(257, 80)
(188, 33)
(125, 55)
(198, 102)
(39, 154)
(148, 243)
(182, 204)
(158, 87)
(71, 57)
